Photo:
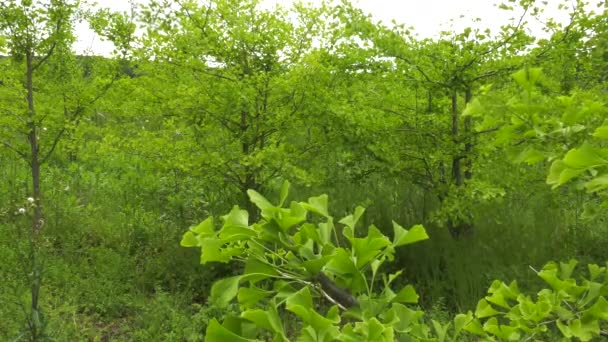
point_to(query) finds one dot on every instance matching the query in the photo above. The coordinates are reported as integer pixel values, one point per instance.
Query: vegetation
(490, 146)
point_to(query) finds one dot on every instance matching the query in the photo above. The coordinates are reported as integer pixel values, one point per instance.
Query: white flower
(30, 199)
(21, 211)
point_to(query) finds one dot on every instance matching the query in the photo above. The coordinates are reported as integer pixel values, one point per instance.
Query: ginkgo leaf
(405, 237)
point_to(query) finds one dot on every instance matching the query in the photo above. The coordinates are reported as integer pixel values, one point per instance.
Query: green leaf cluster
(295, 257)
(574, 308)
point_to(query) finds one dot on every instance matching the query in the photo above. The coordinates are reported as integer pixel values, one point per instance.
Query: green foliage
(574, 307)
(291, 261)
(202, 101)
(529, 119)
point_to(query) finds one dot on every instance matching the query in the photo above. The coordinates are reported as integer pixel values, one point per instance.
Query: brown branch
(103, 91)
(204, 71)
(10, 147)
(336, 294)
(489, 130)
(53, 146)
(43, 59)
(51, 49)
(487, 74)
(272, 175)
(427, 167)
(232, 175)
(421, 71)
(563, 38)
(204, 25)
(14, 130)
(76, 114)
(502, 43)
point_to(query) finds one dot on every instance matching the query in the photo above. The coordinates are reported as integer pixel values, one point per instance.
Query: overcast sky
(428, 17)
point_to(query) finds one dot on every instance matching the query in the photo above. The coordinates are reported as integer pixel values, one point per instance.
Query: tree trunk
(460, 227)
(468, 147)
(249, 179)
(457, 158)
(35, 324)
(34, 149)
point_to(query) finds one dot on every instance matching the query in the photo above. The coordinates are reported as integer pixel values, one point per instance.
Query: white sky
(428, 17)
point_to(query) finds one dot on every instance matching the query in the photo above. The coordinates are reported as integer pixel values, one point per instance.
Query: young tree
(234, 73)
(47, 90)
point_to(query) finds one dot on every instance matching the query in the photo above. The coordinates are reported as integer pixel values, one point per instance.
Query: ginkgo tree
(46, 92)
(431, 81)
(234, 70)
(35, 36)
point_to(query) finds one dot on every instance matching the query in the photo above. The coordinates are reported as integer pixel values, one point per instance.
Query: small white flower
(30, 199)
(44, 129)
(21, 211)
